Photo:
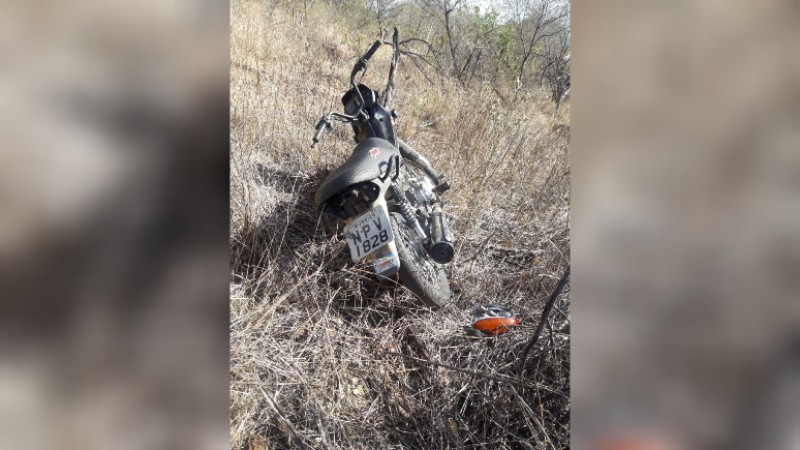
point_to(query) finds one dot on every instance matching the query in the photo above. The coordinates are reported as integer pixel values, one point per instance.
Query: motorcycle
(389, 196)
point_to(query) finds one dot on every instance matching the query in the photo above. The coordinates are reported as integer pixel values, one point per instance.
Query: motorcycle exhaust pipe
(442, 250)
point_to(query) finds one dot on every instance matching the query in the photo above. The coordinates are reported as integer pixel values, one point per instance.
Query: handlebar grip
(362, 62)
(321, 126)
(372, 49)
(318, 135)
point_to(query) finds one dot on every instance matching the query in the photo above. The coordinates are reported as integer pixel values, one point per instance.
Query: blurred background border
(113, 224)
(686, 244)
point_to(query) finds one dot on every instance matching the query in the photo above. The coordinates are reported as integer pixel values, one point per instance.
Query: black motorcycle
(389, 196)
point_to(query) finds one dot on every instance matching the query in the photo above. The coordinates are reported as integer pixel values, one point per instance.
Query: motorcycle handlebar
(362, 62)
(317, 135)
(325, 122)
(372, 49)
(322, 125)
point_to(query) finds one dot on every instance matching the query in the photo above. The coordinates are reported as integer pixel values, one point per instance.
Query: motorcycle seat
(365, 163)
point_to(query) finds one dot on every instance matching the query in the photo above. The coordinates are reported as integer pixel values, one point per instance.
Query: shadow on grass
(296, 248)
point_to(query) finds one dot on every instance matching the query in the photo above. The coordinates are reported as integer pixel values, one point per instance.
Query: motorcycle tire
(418, 272)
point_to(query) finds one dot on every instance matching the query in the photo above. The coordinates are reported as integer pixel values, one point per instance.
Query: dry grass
(324, 356)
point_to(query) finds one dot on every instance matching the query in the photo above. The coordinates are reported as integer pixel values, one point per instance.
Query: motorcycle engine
(421, 189)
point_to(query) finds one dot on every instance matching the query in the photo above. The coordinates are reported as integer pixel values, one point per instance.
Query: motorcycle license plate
(369, 232)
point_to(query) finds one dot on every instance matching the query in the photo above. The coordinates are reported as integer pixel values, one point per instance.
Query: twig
(285, 423)
(405, 51)
(479, 373)
(539, 421)
(387, 94)
(416, 64)
(548, 307)
(418, 40)
(409, 53)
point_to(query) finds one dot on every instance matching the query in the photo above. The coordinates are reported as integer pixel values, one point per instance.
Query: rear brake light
(354, 201)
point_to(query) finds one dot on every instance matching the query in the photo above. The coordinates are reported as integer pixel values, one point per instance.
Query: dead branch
(387, 93)
(545, 314)
(413, 59)
(482, 374)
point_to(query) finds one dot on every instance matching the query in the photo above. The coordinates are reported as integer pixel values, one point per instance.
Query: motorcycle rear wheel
(418, 272)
